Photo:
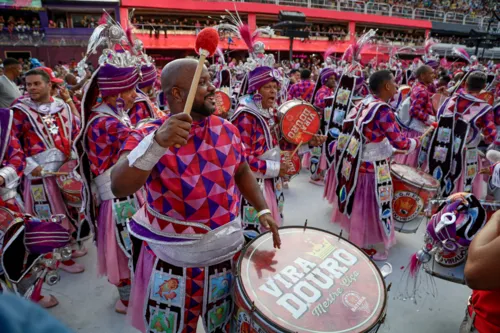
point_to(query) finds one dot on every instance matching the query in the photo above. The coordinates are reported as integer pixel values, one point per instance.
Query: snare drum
(299, 120)
(413, 189)
(70, 187)
(294, 164)
(316, 282)
(222, 103)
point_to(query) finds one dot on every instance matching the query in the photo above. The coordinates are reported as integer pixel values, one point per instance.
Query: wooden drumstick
(206, 45)
(296, 150)
(429, 130)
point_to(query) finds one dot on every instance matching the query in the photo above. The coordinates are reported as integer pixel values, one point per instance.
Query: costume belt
(50, 160)
(377, 151)
(191, 249)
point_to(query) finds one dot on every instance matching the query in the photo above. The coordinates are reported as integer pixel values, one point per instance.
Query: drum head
(415, 176)
(222, 102)
(68, 183)
(298, 118)
(316, 282)
(294, 162)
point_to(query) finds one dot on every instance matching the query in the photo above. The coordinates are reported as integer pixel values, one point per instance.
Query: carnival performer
(193, 169)
(144, 106)
(304, 88)
(467, 119)
(421, 112)
(327, 80)
(363, 178)
(107, 126)
(46, 129)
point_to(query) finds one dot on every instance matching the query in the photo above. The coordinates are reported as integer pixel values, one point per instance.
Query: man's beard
(204, 109)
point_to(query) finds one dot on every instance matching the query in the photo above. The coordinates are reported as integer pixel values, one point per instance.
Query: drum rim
(425, 187)
(298, 102)
(266, 319)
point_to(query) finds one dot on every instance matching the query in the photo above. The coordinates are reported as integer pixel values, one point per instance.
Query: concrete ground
(87, 302)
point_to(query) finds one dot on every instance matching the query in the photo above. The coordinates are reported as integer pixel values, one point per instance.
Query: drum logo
(303, 122)
(451, 258)
(406, 206)
(297, 288)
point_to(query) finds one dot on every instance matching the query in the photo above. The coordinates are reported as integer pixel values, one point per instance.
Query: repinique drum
(317, 282)
(70, 187)
(293, 162)
(413, 189)
(299, 121)
(437, 100)
(222, 103)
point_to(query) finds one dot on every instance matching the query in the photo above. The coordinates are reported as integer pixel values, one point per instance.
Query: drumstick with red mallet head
(206, 45)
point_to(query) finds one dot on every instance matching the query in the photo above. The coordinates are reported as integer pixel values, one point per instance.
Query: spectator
(9, 91)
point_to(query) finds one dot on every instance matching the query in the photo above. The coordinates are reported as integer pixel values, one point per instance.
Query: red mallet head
(207, 40)
(434, 124)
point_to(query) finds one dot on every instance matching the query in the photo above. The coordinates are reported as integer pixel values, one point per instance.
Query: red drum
(488, 97)
(294, 164)
(70, 187)
(317, 282)
(437, 100)
(413, 189)
(405, 91)
(222, 103)
(299, 121)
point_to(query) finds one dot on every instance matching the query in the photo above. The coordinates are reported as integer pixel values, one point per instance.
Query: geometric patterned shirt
(319, 100)
(196, 182)
(421, 102)
(299, 90)
(105, 138)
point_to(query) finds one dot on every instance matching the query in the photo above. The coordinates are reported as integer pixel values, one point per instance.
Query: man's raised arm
(131, 173)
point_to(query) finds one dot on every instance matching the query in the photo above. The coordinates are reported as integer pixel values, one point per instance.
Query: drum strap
(307, 92)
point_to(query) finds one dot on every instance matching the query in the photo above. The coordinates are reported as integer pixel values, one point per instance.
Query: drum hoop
(266, 319)
(419, 186)
(299, 102)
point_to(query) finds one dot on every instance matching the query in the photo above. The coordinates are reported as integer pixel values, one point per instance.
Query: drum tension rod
(389, 287)
(341, 231)
(305, 225)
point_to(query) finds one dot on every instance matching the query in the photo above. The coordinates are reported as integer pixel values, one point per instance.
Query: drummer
(257, 121)
(377, 132)
(421, 112)
(192, 191)
(143, 107)
(482, 275)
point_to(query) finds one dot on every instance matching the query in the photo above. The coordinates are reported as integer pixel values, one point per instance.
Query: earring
(257, 99)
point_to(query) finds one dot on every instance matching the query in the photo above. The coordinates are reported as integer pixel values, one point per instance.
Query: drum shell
(291, 125)
(294, 163)
(69, 186)
(409, 198)
(262, 319)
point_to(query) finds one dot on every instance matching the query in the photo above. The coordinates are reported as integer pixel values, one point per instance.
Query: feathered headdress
(327, 56)
(462, 53)
(354, 50)
(430, 59)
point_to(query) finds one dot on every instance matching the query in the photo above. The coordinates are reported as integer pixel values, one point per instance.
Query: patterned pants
(178, 296)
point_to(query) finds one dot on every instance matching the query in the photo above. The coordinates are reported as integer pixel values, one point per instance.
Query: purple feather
(460, 52)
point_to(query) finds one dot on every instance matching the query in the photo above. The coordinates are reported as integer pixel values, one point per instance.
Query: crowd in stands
(21, 24)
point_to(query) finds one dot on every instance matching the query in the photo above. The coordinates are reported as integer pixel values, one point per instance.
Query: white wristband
(263, 212)
(147, 153)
